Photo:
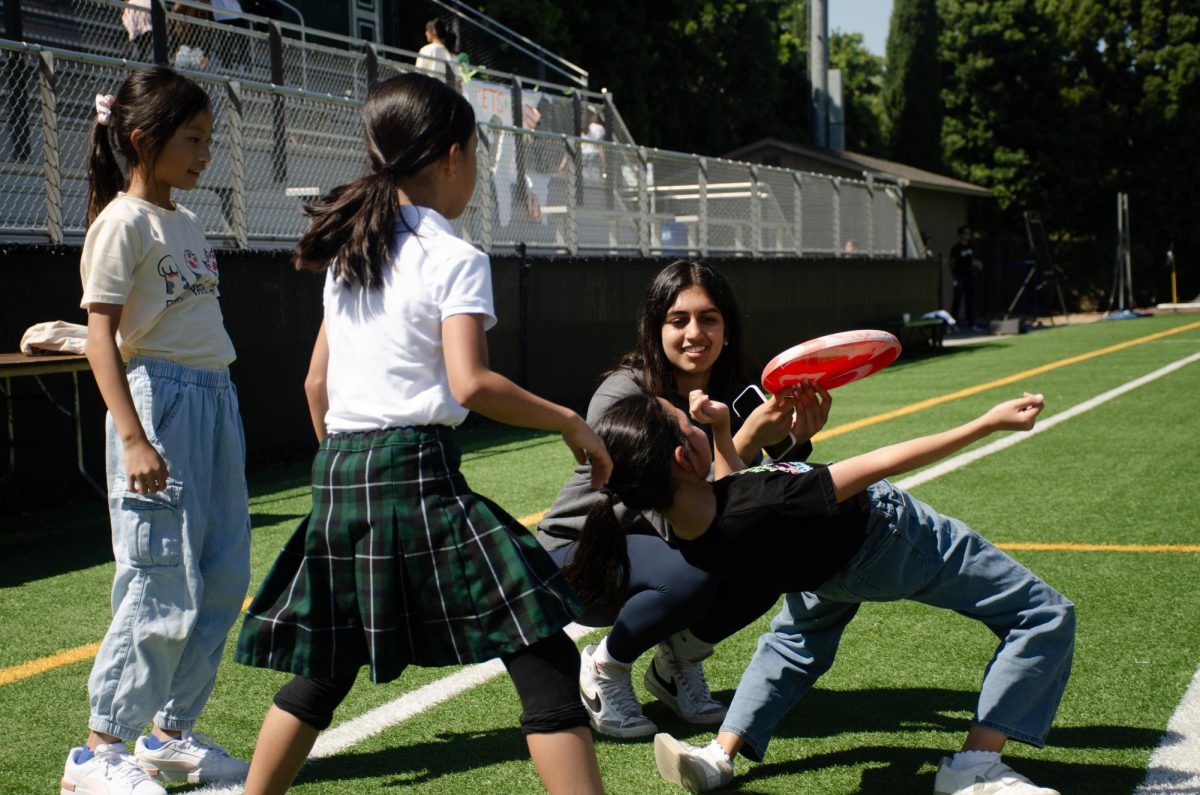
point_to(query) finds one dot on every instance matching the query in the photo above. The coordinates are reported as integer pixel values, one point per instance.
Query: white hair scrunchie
(104, 106)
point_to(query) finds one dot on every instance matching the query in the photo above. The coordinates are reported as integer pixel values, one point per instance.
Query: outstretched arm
(725, 453)
(477, 387)
(855, 474)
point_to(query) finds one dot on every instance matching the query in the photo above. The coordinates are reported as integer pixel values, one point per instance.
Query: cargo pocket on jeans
(152, 526)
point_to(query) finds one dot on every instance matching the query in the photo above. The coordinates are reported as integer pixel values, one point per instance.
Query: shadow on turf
(39, 547)
(828, 713)
(421, 763)
(922, 357)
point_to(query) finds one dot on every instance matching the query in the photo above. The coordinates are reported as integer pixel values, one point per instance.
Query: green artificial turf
(904, 685)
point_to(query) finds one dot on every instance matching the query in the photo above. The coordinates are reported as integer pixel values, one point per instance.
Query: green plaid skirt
(400, 563)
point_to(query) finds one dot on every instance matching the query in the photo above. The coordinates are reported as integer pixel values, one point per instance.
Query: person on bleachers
(440, 49)
(190, 38)
(137, 25)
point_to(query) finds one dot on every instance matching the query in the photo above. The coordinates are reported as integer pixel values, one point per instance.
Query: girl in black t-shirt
(831, 537)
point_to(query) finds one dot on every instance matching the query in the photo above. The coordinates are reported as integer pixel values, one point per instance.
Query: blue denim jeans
(183, 554)
(913, 552)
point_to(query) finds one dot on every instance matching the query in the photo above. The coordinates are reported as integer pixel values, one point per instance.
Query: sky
(868, 17)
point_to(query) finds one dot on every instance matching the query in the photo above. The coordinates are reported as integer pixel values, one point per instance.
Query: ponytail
(641, 438)
(410, 121)
(599, 572)
(353, 224)
(105, 177)
(443, 28)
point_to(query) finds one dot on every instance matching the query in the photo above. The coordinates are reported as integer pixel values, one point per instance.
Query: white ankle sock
(602, 657)
(714, 751)
(965, 759)
(688, 647)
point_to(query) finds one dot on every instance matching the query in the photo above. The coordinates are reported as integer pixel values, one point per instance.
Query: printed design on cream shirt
(197, 277)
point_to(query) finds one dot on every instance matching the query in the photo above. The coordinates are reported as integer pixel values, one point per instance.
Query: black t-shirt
(962, 260)
(781, 523)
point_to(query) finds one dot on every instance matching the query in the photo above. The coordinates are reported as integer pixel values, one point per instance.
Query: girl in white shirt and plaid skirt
(400, 562)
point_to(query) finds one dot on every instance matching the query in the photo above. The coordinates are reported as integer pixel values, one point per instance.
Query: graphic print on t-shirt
(196, 277)
(792, 467)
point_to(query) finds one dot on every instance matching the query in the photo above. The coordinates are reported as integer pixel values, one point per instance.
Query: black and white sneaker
(608, 696)
(680, 684)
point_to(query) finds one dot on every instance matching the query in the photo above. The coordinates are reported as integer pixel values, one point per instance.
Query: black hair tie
(607, 492)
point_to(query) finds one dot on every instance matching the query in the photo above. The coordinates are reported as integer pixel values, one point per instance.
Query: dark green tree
(1131, 82)
(1004, 118)
(912, 86)
(696, 75)
(862, 92)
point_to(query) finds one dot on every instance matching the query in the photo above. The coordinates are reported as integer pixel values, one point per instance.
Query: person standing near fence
(176, 453)
(963, 264)
(400, 563)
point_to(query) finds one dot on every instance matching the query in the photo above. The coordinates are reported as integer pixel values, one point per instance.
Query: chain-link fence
(186, 34)
(276, 148)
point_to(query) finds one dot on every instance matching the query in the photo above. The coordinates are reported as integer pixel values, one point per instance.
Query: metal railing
(494, 32)
(183, 34)
(274, 148)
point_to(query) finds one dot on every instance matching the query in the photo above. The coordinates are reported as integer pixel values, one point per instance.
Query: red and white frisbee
(831, 361)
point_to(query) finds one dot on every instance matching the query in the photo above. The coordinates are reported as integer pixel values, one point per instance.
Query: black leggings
(666, 595)
(546, 675)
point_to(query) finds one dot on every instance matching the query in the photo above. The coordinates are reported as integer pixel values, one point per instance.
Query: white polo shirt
(386, 367)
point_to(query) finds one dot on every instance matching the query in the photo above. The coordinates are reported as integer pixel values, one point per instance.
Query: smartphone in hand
(751, 398)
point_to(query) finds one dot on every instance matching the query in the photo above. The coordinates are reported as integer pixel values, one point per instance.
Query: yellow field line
(34, 667)
(1008, 379)
(532, 519)
(1066, 547)
(16, 673)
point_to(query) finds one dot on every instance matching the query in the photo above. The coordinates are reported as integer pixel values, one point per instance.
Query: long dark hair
(157, 101)
(649, 362)
(641, 437)
(411, 121)
(444, 30)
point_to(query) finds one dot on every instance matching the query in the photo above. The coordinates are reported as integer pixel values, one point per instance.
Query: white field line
(959, 461)
(348, 734)
(1183, 752)
(1175, 765)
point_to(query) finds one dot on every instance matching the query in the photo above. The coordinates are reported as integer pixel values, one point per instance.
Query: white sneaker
(680, 684)
(694, 769)
(110, 771)
(193, 758)
(994, 778)
(608, 696)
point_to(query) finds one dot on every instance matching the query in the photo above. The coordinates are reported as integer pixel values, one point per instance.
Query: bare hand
(813, 403)
(144, 468)
(708, 411)
(589, 448)
(1017, 414)
(772, 421)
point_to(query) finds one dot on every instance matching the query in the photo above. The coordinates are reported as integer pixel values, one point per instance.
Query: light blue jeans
(183, 555)
(913, 552)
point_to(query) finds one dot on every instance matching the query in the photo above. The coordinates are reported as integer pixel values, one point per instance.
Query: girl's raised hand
(708, 411)
(1017, 414)
(772, 421)
(588, 448)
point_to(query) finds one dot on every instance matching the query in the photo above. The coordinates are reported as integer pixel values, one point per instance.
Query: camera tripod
(1044, 267)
